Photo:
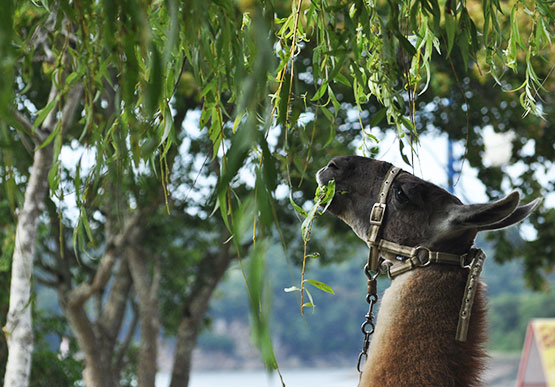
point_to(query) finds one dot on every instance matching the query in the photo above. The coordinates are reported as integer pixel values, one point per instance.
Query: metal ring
(429, 255)
(370, 331)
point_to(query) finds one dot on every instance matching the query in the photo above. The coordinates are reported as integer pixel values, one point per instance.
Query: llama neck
(414, 342)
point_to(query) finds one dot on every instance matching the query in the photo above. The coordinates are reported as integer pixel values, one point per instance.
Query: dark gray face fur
(418, 212)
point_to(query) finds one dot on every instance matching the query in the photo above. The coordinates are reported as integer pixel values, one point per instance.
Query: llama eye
(400, 196)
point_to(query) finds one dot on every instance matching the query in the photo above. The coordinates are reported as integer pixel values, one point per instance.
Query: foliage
(510, 315)
(322, 198)
(49, 366)
(379, 50)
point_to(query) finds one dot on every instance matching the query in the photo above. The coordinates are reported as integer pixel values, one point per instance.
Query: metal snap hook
(370, 274)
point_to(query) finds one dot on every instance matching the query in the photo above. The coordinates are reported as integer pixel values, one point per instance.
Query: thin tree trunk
(211, 271)
(19, 328)
(147, 294)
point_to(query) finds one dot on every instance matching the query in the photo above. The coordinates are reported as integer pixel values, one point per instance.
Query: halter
(413, 258)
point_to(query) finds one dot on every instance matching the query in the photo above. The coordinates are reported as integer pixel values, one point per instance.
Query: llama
(414, 341)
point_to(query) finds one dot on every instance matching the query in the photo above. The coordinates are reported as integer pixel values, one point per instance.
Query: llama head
(418, 212)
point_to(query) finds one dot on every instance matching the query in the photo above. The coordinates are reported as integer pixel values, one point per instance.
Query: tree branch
(70, 106)
(47, 282)
(27, 127)
(81, 294)
(119, 363)
(114, 308)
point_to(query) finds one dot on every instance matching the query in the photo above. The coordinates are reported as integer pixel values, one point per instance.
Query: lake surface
(260, 378)
(502, 372)
(292, 378)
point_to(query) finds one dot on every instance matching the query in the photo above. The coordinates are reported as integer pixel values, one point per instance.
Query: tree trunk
(19, 329)
(185, 343)
(211, 271)
(147, 294)
(97, 338)
(19, 326)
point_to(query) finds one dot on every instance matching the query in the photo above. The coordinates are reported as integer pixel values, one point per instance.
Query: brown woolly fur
(414, 341)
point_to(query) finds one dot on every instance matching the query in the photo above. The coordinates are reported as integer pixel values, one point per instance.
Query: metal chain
(368, 325)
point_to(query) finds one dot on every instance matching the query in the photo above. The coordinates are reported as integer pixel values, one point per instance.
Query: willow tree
(109, 77)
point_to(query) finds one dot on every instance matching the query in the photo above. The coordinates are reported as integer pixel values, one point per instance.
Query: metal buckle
(376, 217)
(462, 259)
(429, 256)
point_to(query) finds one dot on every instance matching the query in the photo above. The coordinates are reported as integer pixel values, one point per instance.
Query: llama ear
(483, 216)
(521, 213)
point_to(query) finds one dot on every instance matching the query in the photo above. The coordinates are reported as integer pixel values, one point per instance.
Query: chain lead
(368, 325)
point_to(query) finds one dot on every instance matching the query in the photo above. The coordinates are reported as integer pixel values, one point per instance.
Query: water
(260, 378)
(292, 378)
(502, 372)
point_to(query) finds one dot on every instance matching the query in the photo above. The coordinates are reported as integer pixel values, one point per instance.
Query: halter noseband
(419, 256)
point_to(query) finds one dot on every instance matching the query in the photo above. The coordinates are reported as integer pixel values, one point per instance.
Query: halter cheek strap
(419, 256)
(376, 218)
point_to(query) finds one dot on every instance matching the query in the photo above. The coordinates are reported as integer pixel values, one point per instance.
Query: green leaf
(269, 171)
(43, 113)
(296, 206)
(168, 127)
(87, 227)
(263, 199)
(331, 136)
(320, 285)
(329, 115)
(342, 79)
(405, 158)
(51, 136)
(283, 102)
(462, 42)
(260, 307)
(155, 82)
(450, 28)
(328, 196)
(406, 44)
(237, 120)
(307, 223)
(515, 33)
(320, 92)
(378, 117)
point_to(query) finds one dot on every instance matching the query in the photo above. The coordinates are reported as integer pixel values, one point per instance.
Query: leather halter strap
(419, 256)
(376, 218)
